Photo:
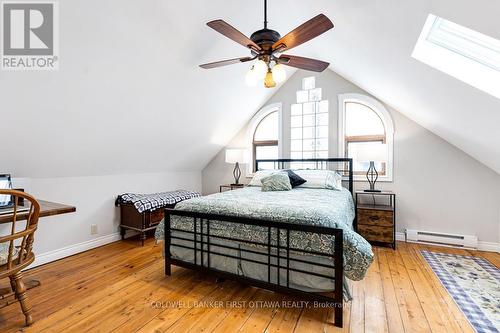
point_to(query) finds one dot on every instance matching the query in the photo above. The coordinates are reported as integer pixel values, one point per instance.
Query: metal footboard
(276, 253)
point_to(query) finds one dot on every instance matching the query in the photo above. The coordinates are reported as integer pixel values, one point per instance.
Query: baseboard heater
(443, 239)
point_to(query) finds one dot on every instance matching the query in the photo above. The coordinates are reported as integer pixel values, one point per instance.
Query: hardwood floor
(121, 287)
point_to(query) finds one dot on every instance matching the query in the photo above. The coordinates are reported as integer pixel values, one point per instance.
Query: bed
(301, 242)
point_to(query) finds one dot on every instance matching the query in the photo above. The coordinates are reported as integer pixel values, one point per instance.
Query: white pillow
(256, 179)
(327, 179)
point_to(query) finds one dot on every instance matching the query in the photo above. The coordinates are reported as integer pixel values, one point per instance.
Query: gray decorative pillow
(278, 181)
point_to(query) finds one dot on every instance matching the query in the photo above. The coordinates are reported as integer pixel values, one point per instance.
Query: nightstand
(376, 217)
(230, 187)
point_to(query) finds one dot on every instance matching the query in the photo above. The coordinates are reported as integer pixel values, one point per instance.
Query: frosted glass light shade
(236, 156)
(368, 152)
(279, 73)
(260, 69)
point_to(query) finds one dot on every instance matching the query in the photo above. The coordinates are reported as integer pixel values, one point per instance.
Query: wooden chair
(17, 250)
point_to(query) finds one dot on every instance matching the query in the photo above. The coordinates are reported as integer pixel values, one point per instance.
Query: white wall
(438, 187)
(94, 197)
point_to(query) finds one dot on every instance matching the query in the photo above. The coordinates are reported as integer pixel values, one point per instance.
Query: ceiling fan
(267, 46)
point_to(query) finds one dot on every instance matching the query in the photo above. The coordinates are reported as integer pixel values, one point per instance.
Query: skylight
(463, 53)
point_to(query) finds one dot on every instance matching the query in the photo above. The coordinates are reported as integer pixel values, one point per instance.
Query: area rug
(474, 284)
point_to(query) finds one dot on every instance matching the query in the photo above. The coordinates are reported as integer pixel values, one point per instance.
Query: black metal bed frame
(203, 246)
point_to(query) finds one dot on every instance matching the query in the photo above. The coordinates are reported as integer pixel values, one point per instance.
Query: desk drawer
(381, 218)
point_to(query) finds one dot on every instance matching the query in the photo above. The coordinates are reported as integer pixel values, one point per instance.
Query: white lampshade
(236, 156)
(260, 68)
(368, 152)
(279, 73)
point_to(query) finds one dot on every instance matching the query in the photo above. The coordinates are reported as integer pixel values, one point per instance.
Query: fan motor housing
(265, 38)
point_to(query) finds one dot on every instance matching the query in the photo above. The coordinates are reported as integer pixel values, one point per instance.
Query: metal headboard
(341, 165)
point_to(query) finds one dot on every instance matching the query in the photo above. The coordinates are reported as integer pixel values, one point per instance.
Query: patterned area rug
(474, 284)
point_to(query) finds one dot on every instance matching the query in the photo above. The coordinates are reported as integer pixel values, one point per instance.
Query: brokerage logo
(30, 35)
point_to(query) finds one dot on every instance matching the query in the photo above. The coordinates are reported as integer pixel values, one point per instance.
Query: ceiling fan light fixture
(269, 80)
(260, 68)
(279, 73)
(267, 45)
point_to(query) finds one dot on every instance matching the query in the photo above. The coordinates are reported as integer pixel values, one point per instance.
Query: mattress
(320, 207)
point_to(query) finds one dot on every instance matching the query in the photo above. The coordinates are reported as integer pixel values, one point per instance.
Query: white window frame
(439, 53)
(386, 118)
(252, 127)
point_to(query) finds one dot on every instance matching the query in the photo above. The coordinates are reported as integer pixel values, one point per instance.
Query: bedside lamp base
(372, 176)
(236, 174)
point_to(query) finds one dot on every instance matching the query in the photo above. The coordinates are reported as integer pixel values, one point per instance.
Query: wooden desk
(47, 208)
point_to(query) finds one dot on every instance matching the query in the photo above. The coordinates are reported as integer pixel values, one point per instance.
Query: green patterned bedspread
(320, 207)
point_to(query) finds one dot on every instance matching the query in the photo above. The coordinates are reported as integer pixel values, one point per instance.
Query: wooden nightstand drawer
(376, 217)
(380, 218)
(376, 233)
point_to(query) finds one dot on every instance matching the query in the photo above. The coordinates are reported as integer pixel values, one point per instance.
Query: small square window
(322, 131)
(296, 121)
(322, 154)
(309, 107)
(322, 119)
(308, 120)
(323, 107)
(296, 109)
(315, 95)
(296, 133)
(296, 145)
(309, 154)
(322, 144)
(309, 132)
(309, 83)
(309, 144)
(302, 96)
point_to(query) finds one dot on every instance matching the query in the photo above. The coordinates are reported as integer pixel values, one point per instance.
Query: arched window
(265, 138)
(364, 120)
(265, 135)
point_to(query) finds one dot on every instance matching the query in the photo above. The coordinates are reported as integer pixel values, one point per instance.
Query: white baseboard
(400, 236)
(488, 246)
(67, 251)
(481, 246)
(54, 255)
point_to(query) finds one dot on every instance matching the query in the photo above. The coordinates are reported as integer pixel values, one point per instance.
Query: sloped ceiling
(129, 96)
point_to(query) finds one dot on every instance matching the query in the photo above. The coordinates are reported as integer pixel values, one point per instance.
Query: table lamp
(371, 152)
(236, 156)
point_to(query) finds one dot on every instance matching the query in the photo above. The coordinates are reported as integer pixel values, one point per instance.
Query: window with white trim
(265, 139)
(309, 123)
(364, 120)
(264, 136)
(461, 52)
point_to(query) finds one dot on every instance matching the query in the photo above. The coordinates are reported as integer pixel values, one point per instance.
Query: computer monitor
(5, 184)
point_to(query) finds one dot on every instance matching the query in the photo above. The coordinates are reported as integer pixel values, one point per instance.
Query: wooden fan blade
(232, 33)
(225, 62)
(303, 63)
(305, 32)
